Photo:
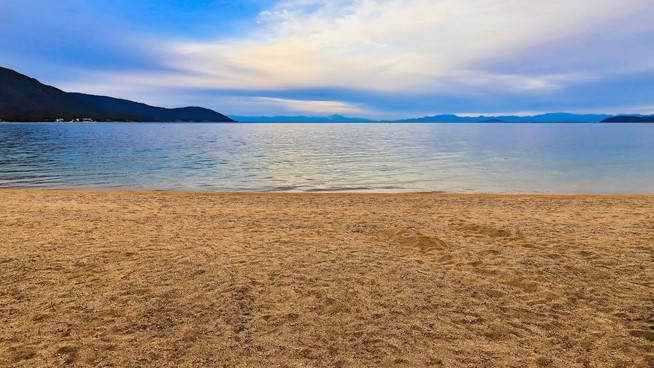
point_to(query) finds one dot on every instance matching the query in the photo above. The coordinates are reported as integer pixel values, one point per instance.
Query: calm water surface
(534, 158)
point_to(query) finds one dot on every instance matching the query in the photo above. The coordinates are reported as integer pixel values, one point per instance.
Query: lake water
(498, 158)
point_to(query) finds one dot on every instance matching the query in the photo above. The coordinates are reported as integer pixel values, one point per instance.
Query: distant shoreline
(362, 192)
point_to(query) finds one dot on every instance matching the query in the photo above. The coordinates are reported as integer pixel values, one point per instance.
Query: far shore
(144, 278)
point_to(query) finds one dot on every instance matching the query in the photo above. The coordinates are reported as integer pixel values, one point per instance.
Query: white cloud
(390, 45)
(241, 105)
(406, 46)
(517, 82)
(311, 106)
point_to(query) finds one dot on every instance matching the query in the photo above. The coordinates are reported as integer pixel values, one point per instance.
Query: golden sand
(133, 279)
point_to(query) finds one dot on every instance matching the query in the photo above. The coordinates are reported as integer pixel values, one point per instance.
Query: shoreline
(321, 192)
(156, 278)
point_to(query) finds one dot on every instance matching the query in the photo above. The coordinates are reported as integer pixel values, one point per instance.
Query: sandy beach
(136, 279)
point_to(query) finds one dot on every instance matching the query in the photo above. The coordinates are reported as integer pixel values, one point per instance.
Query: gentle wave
(526, 158)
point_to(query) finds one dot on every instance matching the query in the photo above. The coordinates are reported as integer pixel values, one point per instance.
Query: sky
(380, 59)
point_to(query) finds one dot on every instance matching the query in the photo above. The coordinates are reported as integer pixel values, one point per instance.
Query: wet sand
(132, 279)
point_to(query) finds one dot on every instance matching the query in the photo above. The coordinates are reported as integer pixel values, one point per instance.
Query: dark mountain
(26, 99)
(302, 119)
(558, 117)
(141, 112)
(629, 119)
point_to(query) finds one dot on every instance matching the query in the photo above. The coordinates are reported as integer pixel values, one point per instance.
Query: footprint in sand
(413, 239)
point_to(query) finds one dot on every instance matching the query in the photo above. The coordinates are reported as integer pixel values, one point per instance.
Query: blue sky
(377, 59)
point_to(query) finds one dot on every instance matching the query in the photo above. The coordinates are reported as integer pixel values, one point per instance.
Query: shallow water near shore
(498, 158)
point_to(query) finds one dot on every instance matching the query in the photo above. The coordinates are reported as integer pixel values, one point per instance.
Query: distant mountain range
(449, 118)
(26, 99)
(630, 119)
(559, 117)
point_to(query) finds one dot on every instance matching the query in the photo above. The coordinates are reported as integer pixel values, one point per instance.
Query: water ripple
(561, 158)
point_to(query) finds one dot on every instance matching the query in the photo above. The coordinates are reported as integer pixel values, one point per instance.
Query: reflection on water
(554, 158)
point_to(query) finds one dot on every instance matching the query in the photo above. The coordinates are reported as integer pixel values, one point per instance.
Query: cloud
(380, 58)
(243, 105)
(390, 45)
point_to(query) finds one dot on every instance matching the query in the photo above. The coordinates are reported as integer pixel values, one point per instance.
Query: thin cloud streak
(298, 107)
